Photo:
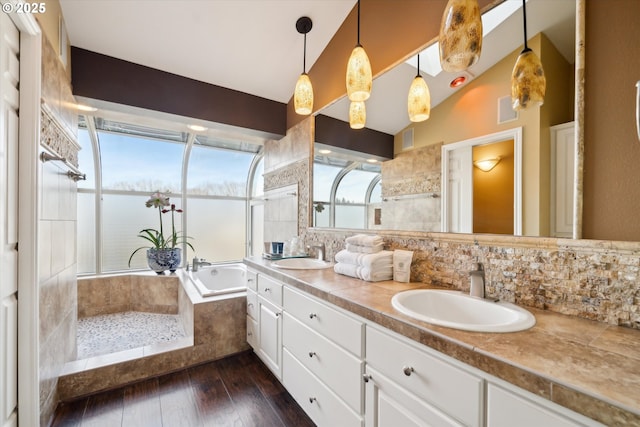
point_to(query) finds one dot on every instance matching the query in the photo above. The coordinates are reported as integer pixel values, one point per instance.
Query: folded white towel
(346, 269)
(382, 258)
(375, 275)
(365, 249)
(370, 275)
(364, 240)
(348, 257)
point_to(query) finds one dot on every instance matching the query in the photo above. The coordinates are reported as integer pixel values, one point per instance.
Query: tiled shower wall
(57, 231)
(591, 279)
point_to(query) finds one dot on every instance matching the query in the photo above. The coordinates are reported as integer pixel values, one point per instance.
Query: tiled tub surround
(590, 367)
(215, 327)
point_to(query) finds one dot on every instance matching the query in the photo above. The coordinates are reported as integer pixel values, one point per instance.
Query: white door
(460, 191)
(9, 103)
(563, 148)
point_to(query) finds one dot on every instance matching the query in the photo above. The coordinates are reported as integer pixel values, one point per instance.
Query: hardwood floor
(235, 391)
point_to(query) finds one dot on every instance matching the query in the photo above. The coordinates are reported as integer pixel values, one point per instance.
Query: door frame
(28, 212)
(516, 135)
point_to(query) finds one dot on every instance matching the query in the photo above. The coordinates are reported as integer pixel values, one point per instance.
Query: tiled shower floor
(111, 333)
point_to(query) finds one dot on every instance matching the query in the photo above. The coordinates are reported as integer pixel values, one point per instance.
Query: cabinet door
(388, 405)
(270, 326)
(252, 333)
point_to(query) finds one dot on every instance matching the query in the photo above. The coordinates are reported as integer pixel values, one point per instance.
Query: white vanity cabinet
(323, 360)
(409, 385)
(347, 371)
(269, 323)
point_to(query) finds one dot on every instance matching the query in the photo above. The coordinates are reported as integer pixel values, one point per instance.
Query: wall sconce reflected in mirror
(487, 164)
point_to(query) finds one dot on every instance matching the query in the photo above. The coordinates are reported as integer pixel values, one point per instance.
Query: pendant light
(303, 94)
(528, 83)
(359, 77)
(460, 35)
(419, 100)
(357, 114)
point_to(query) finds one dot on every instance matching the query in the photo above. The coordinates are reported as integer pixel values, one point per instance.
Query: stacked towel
(365, 259)
(364, 244)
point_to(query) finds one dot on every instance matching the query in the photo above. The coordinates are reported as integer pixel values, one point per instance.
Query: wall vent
(407, 139)
(505, 112)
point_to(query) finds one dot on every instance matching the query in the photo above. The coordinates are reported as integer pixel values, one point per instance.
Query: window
(126, 162)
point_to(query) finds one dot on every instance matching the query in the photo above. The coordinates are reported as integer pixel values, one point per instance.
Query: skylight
(430, 57)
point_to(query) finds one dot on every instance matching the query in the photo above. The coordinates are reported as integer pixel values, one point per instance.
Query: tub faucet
(477, 281)
(319, 250)
(199, 262)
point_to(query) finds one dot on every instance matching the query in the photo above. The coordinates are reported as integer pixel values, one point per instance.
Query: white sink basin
(456, 310)
(301, 264)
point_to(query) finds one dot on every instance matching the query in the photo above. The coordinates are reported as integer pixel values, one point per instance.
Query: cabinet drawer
(252, 280)
(252, 333)
(337, 368)
(506, 409)
(338, 327)
(320, 403)
(252, 305)
(454, 391)
(389, 406)
(270, 289)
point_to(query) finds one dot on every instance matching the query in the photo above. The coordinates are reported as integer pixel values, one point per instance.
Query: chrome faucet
(320, 250)
(199, 262)
(477, 280)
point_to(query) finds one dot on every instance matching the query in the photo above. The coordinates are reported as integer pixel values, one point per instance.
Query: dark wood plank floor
(235, 391)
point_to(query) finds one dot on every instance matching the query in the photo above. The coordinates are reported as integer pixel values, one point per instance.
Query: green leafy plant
(155, 237)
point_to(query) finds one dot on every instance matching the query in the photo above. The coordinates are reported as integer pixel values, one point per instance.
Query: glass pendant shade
(359, 77)
(419, 100)
(357, 114)
(303, 95)
(528, 83)
(460, 35)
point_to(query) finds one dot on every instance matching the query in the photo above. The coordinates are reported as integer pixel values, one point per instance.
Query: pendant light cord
(358, 23)
(304, 56)
(524, 18)
(418, 69)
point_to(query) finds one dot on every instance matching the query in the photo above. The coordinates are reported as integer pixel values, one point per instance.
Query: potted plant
(163, 253)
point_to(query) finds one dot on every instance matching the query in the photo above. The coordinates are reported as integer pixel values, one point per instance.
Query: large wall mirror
(408, 192)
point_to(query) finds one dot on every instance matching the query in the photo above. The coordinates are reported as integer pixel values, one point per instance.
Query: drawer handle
(366, 378)
(312, 399)
(408, 370)
(278, 314)
(312, 315)
(249, 334)
(249, 280)
(267, 289)
(250, 304)
(312, 353)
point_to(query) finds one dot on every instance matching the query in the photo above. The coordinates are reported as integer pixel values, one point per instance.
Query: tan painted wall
(493, 190)
(49, 23)
(612, 149)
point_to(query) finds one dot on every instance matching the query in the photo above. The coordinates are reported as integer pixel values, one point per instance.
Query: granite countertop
(590, 367)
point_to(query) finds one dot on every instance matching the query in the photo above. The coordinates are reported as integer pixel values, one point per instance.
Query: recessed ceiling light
(197, 128)
(372, 160)
(324, 151)
(458, 81)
